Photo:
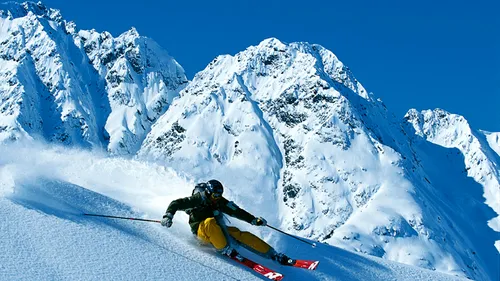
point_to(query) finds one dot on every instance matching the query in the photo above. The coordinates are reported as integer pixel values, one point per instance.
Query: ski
(264, 271)
(310, 265)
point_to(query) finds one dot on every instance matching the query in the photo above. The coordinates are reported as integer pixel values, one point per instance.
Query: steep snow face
(79, 87)
(480, 159)
(41, 90)
(292, 124)
(493, 140)
(141, 81)
(462, 163)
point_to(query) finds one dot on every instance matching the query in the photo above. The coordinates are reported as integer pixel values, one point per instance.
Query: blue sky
(418, 54)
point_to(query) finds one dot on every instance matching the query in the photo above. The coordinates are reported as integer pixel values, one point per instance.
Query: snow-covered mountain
(80, 87)
(293, 122)
(286, 127)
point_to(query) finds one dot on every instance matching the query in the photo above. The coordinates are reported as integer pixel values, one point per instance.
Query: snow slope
(44, 191)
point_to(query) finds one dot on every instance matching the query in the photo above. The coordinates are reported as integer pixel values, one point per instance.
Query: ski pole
(302, 240)
(123, 218)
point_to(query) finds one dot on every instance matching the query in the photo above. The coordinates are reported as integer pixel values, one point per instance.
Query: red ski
(264, 271)
(311, 265)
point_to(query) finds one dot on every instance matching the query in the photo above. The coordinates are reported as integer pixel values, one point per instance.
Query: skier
(205, 208)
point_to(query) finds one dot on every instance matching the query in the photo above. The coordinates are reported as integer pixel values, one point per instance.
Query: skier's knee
(210, 222)
(211, 227)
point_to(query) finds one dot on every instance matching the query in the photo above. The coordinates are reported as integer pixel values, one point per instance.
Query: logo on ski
(274, 275)
(310, 265)
(264, 271)
(313, 265)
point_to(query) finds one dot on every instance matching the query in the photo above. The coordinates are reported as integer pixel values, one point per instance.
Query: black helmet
(215, 188)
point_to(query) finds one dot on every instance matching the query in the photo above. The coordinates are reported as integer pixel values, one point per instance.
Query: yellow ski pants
(209, 231)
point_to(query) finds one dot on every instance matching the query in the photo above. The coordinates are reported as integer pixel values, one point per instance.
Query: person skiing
(205, 207)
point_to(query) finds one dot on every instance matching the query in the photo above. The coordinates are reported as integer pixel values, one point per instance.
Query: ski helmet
(215, 188)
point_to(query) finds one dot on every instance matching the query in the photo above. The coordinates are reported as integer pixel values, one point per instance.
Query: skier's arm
(184, 204)
(233, 210)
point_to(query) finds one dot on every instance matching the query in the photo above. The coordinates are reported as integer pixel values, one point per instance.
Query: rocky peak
(129, 35)
(89, 82)
(272, 43)
(13, 10)
(431, 124)
(283, 65)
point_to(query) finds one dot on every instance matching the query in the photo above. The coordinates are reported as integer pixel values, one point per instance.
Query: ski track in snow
(44, 192)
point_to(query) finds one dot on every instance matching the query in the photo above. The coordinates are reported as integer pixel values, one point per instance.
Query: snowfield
(45, 190)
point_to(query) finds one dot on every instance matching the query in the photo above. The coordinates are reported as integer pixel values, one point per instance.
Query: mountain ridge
(98, 91)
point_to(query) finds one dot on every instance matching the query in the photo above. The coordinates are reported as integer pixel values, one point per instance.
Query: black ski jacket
(199, 208)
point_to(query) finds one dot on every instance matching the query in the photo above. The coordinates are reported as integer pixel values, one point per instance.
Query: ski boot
(283, 259)
(231, 252)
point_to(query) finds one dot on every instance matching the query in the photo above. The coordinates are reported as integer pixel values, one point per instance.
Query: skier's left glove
(259, 221)
(167, 220)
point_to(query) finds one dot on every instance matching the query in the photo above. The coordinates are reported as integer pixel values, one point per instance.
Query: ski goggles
(216, 195)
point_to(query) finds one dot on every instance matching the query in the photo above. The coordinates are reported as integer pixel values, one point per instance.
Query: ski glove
(167, 220)
(259, 221)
